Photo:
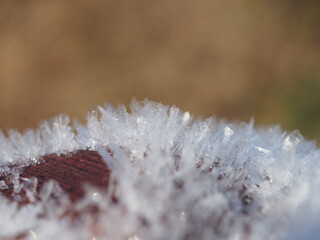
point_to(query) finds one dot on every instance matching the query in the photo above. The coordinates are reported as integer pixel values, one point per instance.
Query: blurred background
(229, 58)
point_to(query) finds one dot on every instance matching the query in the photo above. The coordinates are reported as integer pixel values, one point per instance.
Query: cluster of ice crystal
(174, 178)
(52, 136)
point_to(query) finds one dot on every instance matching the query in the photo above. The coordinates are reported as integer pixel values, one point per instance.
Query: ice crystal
(175, 177)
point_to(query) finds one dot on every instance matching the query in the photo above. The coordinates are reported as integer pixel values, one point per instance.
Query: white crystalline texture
(3, 185)
(176, 178)
(54, 136)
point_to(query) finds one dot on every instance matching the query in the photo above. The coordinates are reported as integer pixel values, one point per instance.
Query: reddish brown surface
(71, 171)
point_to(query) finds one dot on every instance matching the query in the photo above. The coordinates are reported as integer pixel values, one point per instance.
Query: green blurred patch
(302, 106)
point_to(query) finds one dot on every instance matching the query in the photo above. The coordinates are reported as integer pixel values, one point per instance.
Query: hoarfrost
(174, 178)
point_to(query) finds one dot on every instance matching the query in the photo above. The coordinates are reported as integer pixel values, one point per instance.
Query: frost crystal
(173, 177)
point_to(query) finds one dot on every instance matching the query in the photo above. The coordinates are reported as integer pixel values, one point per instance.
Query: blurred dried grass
(234, 59)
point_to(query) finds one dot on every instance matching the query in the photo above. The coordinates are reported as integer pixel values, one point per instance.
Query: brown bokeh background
(229, 58)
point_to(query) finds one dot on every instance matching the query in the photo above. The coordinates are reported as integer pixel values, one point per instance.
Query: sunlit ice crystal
(174, 177)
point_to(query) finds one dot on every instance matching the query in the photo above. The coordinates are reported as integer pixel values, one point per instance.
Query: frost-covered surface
(174, 178)
(53, 136)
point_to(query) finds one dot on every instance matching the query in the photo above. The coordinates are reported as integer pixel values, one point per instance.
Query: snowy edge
(272, 158)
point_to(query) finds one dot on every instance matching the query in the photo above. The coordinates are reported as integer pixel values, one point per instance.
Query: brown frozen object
(72, 171)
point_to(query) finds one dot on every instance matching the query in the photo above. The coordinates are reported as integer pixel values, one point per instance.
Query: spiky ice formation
(173, 178)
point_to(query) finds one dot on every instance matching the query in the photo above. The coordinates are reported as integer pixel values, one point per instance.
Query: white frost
(176, 178)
